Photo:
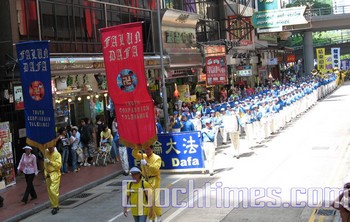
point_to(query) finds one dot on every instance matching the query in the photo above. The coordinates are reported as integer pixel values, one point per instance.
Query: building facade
(187, 28)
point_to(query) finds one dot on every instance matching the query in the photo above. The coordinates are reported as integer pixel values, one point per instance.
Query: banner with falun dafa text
(178, 151)
(127, 84)
(34, 65)
(321, 58)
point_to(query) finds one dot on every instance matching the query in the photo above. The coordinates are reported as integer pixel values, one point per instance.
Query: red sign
(291, 58)
(245, 42)
(215, 50)
(127, 84)
(216, 70)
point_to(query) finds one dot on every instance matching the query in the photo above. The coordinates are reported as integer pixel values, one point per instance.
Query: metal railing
(344, 38)
(330, 10)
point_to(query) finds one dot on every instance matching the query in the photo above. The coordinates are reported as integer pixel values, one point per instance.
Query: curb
(63, 197)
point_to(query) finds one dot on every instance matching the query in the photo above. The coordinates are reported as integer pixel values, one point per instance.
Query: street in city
(286, 178)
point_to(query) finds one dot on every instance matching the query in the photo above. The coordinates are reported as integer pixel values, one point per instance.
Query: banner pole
(142, 166)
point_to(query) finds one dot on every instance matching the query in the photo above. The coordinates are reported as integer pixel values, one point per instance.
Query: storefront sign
(19, 102)
(179, 151)
(178, 37)
(245, 42)
(34, 63)
(184, 93)
(127, 84)
(291, 58)
(215, 50)
(270, 37)
(216, 70)
(6, 157)
(335, 57)
(181, 73)
(264, 5)
(272, 61)
(244, 70)
(179, 29)
(279, 17)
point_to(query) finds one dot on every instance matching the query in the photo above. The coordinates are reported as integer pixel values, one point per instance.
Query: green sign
(281, 17)
(264, 5)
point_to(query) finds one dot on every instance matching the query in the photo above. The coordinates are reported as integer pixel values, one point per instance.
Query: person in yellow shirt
(106, 134)
(139, 211)
(150, 165)
(52, 172)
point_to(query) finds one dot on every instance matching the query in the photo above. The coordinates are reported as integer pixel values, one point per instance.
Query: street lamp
(164, 93)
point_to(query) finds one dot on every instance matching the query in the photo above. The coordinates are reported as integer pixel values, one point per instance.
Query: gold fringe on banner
(40, 146)
(148, 143)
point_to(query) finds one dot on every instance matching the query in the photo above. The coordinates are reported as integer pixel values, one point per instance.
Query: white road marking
(178, 211)
(172, 183)
(114, 218)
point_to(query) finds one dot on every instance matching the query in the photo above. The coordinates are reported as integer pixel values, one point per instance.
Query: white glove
(47, 160)
(143, 162)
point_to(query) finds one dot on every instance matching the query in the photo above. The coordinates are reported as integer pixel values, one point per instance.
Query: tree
(313, 4)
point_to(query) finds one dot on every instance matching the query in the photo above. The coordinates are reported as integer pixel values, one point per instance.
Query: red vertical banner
(127, 84)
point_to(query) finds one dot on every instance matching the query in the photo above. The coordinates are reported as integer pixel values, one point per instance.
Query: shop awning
(182, 60)
(64, 66)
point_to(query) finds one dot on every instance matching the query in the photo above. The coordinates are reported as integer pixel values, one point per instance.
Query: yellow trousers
(53, 188)
(155, 183)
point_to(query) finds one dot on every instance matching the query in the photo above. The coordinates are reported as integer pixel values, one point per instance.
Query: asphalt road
(292, 176)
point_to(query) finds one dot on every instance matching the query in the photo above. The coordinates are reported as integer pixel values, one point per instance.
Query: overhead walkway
(324, 19)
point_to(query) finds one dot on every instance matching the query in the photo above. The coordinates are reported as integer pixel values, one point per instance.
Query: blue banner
(179, 151)
(34, 64)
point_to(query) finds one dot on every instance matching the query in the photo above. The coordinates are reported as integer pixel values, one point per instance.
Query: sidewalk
(71, 185)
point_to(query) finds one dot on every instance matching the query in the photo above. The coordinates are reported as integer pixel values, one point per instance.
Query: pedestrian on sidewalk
(342, 203)
(140, 211)
(115, 142)
(75, 143)
(28, 166)
(150, 165)
(63, 147)
(123, 154)
(88, 140)
(52, 172)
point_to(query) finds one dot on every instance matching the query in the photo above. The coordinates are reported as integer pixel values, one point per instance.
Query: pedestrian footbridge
(324, 19)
